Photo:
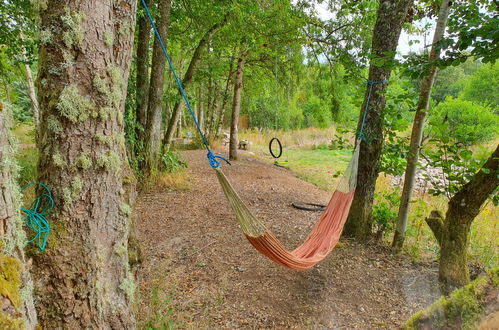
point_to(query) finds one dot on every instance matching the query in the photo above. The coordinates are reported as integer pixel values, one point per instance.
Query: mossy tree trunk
(236, 106)
(452, 233)
(17, 309)
(152, 143)
(83, 279)
(417, 129)
(390, 18)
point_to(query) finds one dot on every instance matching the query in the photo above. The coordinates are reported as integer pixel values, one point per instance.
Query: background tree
(83, 278)
(452, 232)
(18, 309)
(391, 15)
(417, 129)
(152, 144)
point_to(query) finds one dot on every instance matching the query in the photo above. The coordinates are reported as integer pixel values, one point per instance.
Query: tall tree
(17, 310)
(83, 278)
(156, 87)
(225, 97)
(142, 74)
(452, 233)
(236, 105)
(196, 57)
(417, 128)
(390, 18)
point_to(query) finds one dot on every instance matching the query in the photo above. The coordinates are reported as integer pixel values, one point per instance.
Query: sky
(403, 47)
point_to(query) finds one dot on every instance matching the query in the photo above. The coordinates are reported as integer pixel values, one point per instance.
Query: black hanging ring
(280, 147)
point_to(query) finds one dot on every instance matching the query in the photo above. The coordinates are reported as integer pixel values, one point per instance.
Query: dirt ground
(199, 272)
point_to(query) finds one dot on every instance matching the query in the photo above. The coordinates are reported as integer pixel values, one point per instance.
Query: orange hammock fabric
(319, 243)
(321, 240)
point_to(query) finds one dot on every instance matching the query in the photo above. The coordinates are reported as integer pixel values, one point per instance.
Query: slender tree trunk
(156, 87)
(236, 106)
(142, 74)
(196, 57)
(32, 94)
(83, 278)
(200, 113)
(389, 22)
(14, 270)
(178, 134)
(452, 233)
(417, 130)
(213, 110)
(221, 111)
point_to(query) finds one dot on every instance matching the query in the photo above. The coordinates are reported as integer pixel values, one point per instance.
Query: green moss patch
(462, 309)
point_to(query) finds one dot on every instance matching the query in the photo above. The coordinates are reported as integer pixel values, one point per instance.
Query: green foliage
(458, 165)
(483, 87)
(385, 210)
(465, 121)
(171, 163)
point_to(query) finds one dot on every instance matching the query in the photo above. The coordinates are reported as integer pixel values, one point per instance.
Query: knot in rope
(36, 215)
(214, 161)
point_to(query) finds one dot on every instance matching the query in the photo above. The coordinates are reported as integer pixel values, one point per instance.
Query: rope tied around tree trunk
(36, 215)
(370, 83)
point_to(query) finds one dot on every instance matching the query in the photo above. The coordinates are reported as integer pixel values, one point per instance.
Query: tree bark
(463, 207)
(213, 109)
(200, 113)
(196, 57)
(417, 130)
(83, 278)
(14, 268)
(142, 74)
(390, 18)
(225, 98)
(236, 106)
(156, 86)
(32, 94)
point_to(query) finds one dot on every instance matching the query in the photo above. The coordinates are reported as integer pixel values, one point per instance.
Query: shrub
(464, 121)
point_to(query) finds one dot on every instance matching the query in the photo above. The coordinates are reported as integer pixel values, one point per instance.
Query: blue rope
(370, 83)
(211, 157)
(36, 215)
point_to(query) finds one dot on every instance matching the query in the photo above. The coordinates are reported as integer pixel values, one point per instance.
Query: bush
(464, 121)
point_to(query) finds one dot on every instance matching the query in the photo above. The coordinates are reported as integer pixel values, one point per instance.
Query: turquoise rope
(370, 83)
(211, 157)
(36, 215)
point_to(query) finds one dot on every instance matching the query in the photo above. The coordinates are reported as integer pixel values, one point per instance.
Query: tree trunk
(390, 18)
(213, 109)
(83, 278)
(155, 103)
(453, 232)
(32, 94)
(236, 106)
(14, 270)
(178, 133)
(142, 74)
(417, 130)
(196, 57)
(199, 112)
(225, 98)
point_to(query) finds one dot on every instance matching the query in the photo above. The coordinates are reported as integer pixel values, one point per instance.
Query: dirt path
(199, 271)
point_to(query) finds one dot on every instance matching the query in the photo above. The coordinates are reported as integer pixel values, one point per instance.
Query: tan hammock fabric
(321, 240)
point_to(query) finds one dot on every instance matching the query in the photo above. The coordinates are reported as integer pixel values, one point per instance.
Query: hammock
(321, 240)
(326, 233)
